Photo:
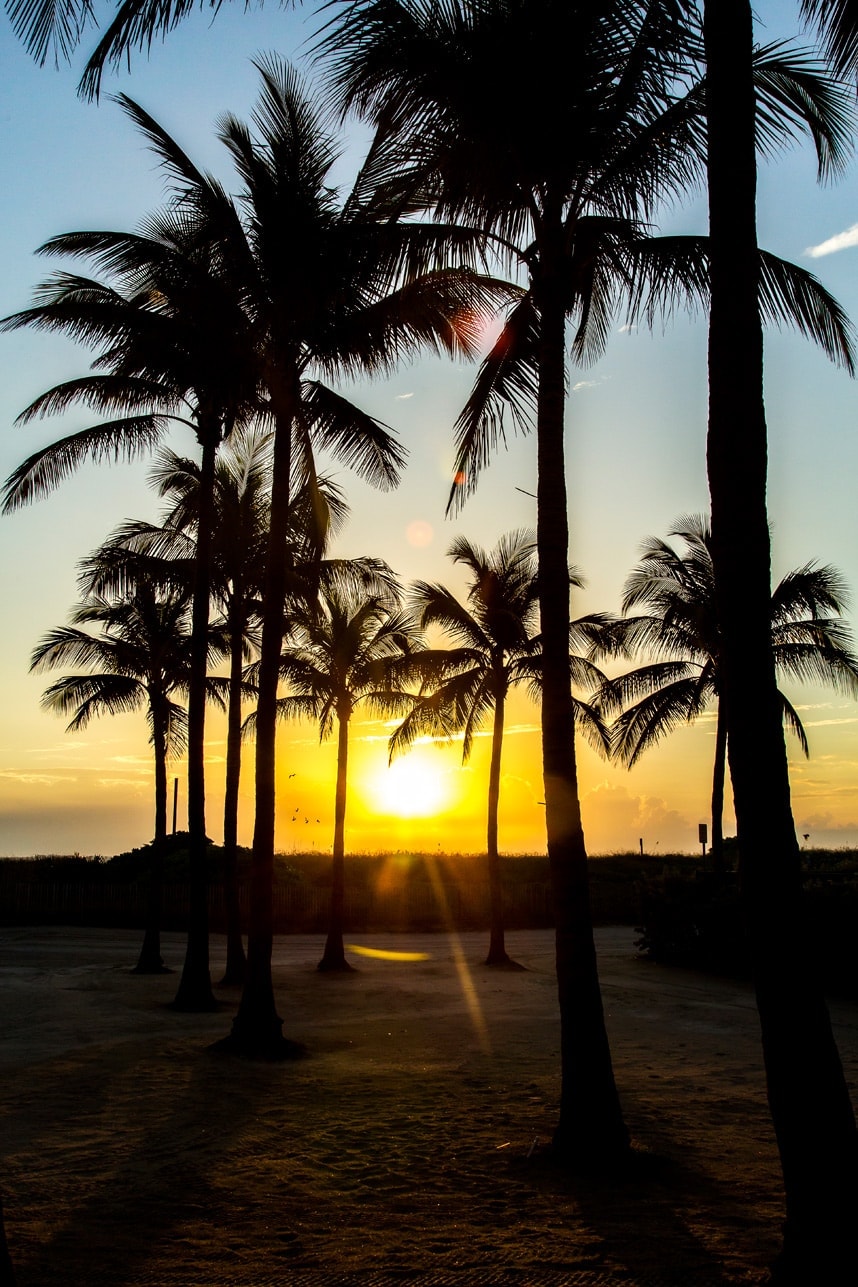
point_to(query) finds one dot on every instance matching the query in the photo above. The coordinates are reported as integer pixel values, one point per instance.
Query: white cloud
(840, 241)
(584, 384)
(403, 397)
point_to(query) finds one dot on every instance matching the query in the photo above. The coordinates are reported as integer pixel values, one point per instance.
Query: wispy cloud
(36, 779)
(584, 384)
(403, 397)
(429, 739)
(821, 723)
(840, 241)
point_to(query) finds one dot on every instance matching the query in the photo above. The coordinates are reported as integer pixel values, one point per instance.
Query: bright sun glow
(411, 788)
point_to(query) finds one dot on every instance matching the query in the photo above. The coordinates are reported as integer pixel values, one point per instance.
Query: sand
(407, 1146)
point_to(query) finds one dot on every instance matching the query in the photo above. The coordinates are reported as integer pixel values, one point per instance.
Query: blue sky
(636, 433)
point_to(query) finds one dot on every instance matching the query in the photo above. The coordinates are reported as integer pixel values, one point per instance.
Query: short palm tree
(138, 658)
(497, 647)
(339, 658)
(681, 634)
(239, 537)
(239, 544)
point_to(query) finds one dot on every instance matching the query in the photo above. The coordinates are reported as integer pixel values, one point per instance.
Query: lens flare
(382, 954)
(419, 534)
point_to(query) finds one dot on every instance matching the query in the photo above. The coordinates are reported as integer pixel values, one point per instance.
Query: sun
(412, 787)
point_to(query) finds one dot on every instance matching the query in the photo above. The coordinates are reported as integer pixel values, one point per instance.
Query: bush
(695, 921)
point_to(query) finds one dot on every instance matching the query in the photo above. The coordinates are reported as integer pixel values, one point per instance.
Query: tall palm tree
(338, 659)
(681, 635)
(331, 289)
(137, 659)
(566, 183)
(811, 1109)
(174, 345)
(496, 648)
(7, 1272)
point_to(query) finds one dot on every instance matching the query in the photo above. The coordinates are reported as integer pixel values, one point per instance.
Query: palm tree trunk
(150, 960)
(591, 1130)
(7, 1273)
(719, 774)
(497, 947)
(236, 961)
(334, 957)
(257, 1028)
(195, 989)
(811, 1111)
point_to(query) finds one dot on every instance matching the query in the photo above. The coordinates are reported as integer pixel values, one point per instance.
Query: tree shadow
(165, 1180)
(641, 1214)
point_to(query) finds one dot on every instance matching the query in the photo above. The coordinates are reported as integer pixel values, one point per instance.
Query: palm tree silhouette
(137, 659)
(333, 290)
(682, 635)
(175, 345)
(240, 533)
(572, 216)
(239, 544)
(340, 657)
(813, 1117)
(497, 648)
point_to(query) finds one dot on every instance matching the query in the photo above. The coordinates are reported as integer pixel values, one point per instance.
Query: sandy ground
(404, 1148)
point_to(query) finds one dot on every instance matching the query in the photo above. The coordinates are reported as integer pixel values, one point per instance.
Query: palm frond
(837, 23)
(789, 294)
(90, 696)
(355, 438)
(793, 723)
(507, 379)
(115, 440)
(795, 96)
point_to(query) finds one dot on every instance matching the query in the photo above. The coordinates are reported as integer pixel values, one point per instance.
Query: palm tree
(811, 1108)
(174, 346)
(240, 533)
(138, 659)
(597, 77)
(681, 634)
(7, 1272)
(338, 659)
(496, 649)
(240, 537)
(330, 290)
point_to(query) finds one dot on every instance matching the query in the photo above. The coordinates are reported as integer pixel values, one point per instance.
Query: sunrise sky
(636, 436)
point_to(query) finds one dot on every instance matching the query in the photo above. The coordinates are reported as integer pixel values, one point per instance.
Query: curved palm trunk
(809, 1101)
(719, 774)
(195, 989)
(236, 961)
(591, 1130)
(257, 1028)
(150, 960)
(497, 947)
(334, 957)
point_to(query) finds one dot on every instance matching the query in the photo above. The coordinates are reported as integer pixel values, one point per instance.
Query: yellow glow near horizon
(412, 787)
